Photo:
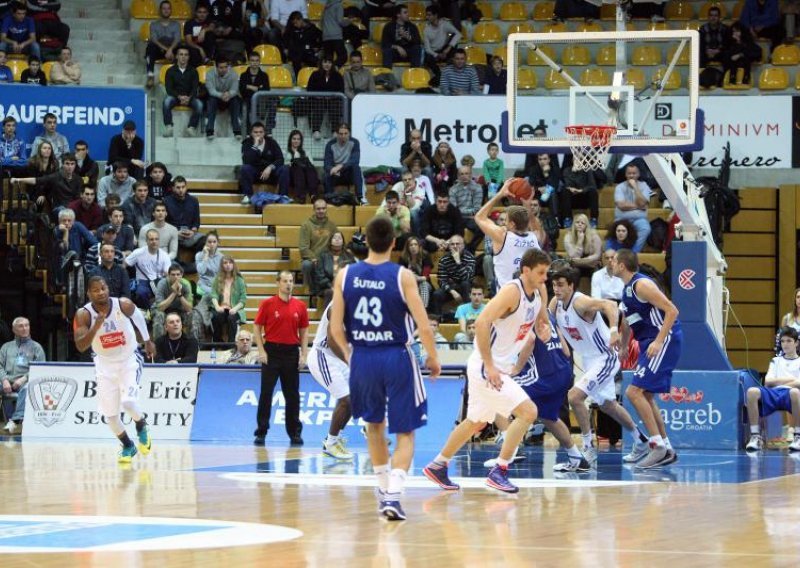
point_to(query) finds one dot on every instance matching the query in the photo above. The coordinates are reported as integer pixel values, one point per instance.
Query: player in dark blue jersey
(653, 319)
(377, 302)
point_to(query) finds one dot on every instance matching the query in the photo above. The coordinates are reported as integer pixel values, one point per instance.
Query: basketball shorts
(117, 383)
(548, 393)
(386, 382)
(598, 380)
(484, 400)
(773, 400)
(330, 372)
(655, 375)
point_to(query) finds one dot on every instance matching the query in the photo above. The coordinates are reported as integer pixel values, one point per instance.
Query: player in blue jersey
(544, 371)
(375, 306)
(653, 319)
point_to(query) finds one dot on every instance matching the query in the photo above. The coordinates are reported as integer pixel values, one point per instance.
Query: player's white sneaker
(755, 443)
(590, 453)
(653, 459)
(573, 466)
(337, 450)
(640, 449)
(795, 445)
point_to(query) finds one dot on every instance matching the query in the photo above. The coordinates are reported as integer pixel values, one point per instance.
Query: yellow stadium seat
(239, 69)
(739, 85)
(554, 81)
(526, 79)
(377, 30)
(737, 9)
(144, 10)
(315, 10)
(279, 77)
(534, 59)
(607, 55)
(646, 55)
(657, 26)
(513, 12)
(543, 11)
(144, 31)
(487, 32)
(501, 51)
(692, 25)
(635, 76)
(201, 72)
(270, 55)
(554, 27)
(594, 77)
(678, 10)
(416, 10)
(786, 55)
(475, 55)
(703, 15)
(773, 79)
(608, 12)
(371, 55)
(416, 78)
(47, 66)
(674, 80)
(380, 71)
(304, 75)
(17, 66)
(686, 53)
(486, 8)
(589, 27)
(181, 10)
(797, 82)
(519, 28)
(576, 55)
(421, 28)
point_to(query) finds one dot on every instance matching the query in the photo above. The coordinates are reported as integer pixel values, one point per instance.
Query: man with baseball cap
(129, 148)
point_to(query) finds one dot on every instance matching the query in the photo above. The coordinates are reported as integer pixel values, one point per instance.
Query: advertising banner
(92, 114)
(62, 402)
(227, 402)
(759, 129)
(702, 410)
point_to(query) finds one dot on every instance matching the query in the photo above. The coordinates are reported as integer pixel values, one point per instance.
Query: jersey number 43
(368, 311)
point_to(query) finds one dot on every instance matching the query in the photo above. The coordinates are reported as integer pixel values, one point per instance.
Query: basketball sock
(331, 440)
(667, 444)
(382, 473)
(440, 460)
(126, 441)
(397, 480)
(140, 425)
(503, 463)
(657, 440)
(755, 429)
(587, 439)
(574, 453)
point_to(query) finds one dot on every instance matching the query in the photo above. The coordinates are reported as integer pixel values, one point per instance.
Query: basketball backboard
(642, 82)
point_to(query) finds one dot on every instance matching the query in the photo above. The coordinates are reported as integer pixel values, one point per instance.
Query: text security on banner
(759, 129)
(228, 399)
(62, 402)
(92, 114)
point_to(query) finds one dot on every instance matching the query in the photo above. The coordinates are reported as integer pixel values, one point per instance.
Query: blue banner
(227, 401)
(93, 114)
(702, 410)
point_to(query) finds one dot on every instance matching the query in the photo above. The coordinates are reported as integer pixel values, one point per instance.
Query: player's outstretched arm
(648, 291)
(336, 322)
(129, 309)
(588, 307)
(417, 309)
(84, 335)
(489, 228)
(505, 301)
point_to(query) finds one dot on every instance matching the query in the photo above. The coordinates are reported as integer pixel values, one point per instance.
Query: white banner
(758, 128)
(62, 402)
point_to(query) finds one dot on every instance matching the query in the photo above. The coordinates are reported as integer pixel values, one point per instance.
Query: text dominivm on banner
(92, 114)
(759, 129)
(62, 402)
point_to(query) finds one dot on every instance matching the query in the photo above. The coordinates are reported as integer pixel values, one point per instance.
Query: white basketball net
(590, 144)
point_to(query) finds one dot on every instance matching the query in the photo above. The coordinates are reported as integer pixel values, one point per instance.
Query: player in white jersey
(509, 242)
(328, 368)
(110, 327)
(501, 332)
(579, 319)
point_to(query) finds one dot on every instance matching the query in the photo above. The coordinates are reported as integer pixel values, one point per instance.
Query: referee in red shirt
(281, 333)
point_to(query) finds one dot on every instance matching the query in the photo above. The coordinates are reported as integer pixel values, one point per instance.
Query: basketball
(520, 188)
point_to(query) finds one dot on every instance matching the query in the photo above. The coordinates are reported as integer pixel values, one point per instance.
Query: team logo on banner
(685, 279)
(381, 130)
(50, 398)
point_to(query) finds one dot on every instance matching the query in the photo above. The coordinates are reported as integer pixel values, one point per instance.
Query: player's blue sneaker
(498, 479)
(144, 440)
(125, 455)
(438, 474)
(391, 509)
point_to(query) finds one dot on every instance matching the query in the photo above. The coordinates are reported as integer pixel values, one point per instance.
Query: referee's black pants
(282, 362)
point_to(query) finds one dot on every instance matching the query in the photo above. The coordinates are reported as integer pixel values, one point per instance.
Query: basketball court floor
(70, 504)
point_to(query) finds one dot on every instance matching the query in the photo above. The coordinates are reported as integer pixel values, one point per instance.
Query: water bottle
(492, 189)
(253, 19)
(213, 356)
